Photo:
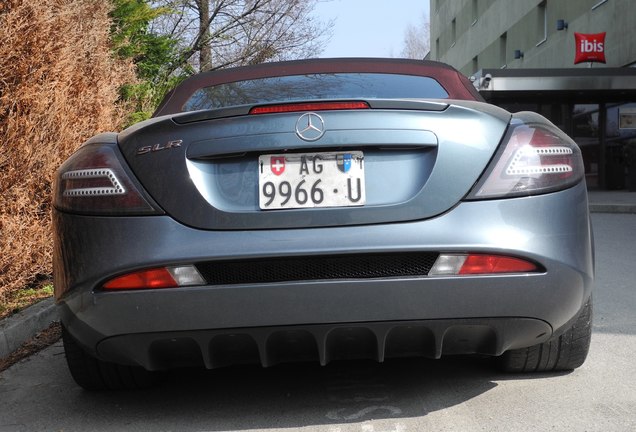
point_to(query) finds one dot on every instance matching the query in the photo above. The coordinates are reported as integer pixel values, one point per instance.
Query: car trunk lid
(419, 159)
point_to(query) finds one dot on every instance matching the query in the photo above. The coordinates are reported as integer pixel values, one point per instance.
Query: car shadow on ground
(297, 395)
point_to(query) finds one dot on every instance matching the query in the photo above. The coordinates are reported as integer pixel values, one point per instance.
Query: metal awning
(574, 82)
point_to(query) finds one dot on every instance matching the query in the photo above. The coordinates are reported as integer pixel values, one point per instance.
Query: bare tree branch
(214, 34)
(417, 39)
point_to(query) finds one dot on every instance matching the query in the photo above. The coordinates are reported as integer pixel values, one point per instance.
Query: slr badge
(158, 147)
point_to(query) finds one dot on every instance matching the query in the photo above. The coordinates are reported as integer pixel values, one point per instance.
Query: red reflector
(310, 106)
(484, 264)
(155, 278)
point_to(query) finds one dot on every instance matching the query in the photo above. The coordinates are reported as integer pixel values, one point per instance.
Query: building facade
(478, 34)
(572, 61)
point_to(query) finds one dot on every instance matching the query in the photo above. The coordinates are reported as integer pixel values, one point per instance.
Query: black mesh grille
(364, 266)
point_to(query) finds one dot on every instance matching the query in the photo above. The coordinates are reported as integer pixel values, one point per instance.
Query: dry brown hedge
(58, 86)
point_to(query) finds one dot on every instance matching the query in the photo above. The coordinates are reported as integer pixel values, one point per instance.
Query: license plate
(305, 180)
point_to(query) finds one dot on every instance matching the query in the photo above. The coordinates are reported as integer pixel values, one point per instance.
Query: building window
(475, 64)
(542, 23)
(437, 53)
(503, 48)
(475, 12)
(453, 32)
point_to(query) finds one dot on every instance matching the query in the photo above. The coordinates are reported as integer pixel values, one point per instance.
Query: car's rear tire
(562, 353)
(94, 374)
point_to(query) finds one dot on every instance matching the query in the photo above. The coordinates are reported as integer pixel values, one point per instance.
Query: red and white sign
(277, 163)
(589, 47)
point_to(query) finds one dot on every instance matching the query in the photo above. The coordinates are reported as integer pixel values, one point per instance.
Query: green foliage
(151, 53)
(131, 37)
(23, 298)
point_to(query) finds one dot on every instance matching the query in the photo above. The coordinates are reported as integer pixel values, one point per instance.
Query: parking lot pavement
(452, 394)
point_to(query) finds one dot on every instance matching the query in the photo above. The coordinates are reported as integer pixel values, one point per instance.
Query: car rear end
(340, 226)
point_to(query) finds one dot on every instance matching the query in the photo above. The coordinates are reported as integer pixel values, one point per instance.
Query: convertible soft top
(456, 85)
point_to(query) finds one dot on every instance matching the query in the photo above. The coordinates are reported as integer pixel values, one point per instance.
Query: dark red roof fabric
(456, 85)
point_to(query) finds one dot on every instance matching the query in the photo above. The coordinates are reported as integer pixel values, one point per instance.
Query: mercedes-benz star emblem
(310, 127)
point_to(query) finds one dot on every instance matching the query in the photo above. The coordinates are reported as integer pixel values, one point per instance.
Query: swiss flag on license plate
(277, 163)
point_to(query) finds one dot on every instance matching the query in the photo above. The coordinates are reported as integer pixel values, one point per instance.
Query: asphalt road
(458, 394)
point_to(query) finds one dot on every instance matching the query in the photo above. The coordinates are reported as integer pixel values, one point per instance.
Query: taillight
(94, 181)
(309, 106)
(163, 277)
(533, 159)
(480, 264)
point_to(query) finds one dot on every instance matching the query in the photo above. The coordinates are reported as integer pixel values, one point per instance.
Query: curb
(18, 328)
(612, 208)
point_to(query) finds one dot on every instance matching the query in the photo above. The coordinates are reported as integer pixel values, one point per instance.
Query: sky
(369, 28)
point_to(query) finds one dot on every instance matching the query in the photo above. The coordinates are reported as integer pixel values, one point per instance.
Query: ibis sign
(589, 47)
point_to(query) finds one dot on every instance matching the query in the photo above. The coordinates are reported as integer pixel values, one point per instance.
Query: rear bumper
(372, 340)
(486, 314)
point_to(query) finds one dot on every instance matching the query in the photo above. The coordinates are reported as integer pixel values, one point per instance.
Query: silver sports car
(321, 210)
